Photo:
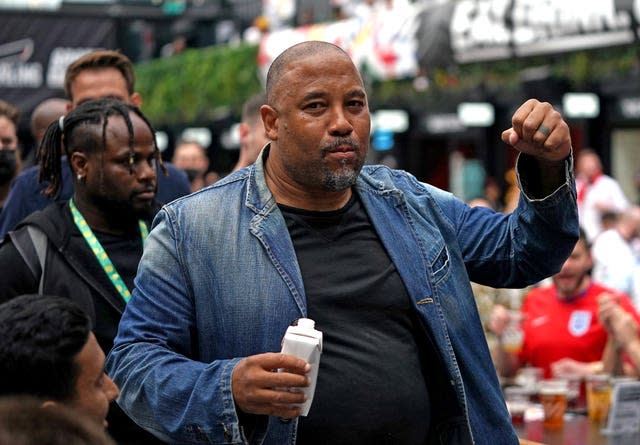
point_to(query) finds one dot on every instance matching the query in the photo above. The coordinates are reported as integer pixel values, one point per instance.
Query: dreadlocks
(78, 131)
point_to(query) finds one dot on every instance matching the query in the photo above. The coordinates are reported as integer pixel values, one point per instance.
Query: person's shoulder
(50, 219)
(27, 178)
(607, 181)
(173, 185)
(541, 292)
(382, 176)
(596, 289)
(211, 194)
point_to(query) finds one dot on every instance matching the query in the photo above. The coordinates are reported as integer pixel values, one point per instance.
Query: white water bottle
(305, 342)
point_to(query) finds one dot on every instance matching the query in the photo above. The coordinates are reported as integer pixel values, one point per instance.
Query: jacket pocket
(440, 265)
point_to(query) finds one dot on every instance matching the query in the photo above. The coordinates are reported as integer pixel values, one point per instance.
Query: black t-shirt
(124, 251)
(372, 385)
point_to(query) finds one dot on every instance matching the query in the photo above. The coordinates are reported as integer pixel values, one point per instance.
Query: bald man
(380, 261)
(47, 111)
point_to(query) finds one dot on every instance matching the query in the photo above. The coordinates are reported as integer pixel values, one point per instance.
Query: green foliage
(198, 85)
(202, 84)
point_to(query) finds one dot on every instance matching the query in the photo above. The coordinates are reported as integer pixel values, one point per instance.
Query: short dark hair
(10, 112)
(282, 63)
(251, 107)
(40, 337)
(100, 59)
(582, 236)
(24, 421)
(84, 129)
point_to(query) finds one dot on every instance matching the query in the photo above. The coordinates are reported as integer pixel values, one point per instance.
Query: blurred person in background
(25, 421)
(97, 74)
(191, 157)
(42, 115)
(10, 158)
(252, 134)
(622, 354)
(597, 193)
(560, 326)
(615, 262)
(47, 350)
(493, 194)
(89, 247)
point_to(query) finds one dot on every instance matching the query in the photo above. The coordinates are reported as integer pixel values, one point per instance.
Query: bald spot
(295, 54)
(46, 112)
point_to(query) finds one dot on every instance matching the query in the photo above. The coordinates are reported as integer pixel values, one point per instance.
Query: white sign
(624, 413)
(497, 29)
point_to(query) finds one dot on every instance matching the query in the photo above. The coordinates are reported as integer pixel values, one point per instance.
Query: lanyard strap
(101, 254)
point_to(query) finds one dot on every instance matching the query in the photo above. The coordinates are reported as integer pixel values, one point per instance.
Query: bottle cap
(306, 323)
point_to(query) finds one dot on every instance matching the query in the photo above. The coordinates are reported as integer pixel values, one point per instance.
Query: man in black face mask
(10, 161)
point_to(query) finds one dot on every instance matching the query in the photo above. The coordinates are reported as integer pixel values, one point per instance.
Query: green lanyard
(100, 253)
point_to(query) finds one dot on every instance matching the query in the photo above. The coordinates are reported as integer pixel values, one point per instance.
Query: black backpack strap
(31, 244)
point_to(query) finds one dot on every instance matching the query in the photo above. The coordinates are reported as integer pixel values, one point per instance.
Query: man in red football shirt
(562, 332)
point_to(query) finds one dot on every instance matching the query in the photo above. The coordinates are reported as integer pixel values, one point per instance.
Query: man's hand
(568, 367)
(259, 389)
(539, 130)
(624, 328)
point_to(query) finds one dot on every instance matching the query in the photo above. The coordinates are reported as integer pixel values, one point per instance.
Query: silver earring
(79, 177)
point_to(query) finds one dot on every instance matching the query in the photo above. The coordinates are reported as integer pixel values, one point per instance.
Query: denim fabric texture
(219, 281)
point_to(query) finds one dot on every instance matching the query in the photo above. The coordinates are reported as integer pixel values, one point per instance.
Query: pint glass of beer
(598, 396)
(553, 397)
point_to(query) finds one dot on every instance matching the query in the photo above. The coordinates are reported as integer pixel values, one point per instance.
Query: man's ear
(79, 163)
(269, 117)
(136, 99)
(243, 131)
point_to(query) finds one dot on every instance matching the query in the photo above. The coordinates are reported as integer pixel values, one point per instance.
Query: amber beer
(553, 397)
(598, 397)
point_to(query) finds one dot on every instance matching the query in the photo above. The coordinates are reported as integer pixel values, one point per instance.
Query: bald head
(47, 111)
(283, 63)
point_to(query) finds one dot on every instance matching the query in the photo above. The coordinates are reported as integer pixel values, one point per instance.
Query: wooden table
(577, 430)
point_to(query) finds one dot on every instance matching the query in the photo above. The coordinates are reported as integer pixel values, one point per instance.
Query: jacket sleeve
(164, 387)
(527, 245)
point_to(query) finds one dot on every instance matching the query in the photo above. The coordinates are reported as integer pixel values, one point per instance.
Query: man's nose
(111, 389)
(340, 124)
(145, 170)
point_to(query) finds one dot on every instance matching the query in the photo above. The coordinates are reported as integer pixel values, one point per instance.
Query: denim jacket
(219, 281)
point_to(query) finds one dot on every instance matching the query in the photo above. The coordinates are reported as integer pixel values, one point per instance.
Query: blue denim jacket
(219, 281)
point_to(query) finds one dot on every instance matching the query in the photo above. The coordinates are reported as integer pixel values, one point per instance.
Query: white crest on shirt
(579, 323)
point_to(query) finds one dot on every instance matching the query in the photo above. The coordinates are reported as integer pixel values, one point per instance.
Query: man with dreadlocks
(88, 248)
(95, 75)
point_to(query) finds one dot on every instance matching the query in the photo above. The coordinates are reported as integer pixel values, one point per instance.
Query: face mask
(191, 173)
(7, 165)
